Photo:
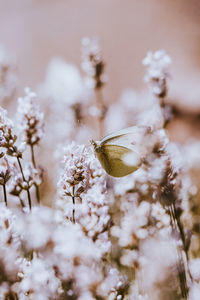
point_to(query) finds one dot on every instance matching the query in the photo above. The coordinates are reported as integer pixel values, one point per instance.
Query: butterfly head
(96, 145)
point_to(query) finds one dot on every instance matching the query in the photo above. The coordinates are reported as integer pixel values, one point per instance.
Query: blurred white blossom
(157, 64)
(8, 76)
(92, 62)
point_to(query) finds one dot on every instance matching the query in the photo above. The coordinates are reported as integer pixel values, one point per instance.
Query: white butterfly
(119, 153)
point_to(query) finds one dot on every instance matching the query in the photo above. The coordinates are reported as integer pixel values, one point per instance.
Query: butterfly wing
(119, 133)
(111, 159)
(130, 138)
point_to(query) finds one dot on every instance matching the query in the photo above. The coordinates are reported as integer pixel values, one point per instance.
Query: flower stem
(180, 263)
(5, 195)
(37, 192)
(73, 201)
(100, 103)
(21, 202)
(23, 177)
(33, 156)
(182, 235)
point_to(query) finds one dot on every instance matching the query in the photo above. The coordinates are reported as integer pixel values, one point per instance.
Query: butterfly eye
(95, 145)
(92, 142)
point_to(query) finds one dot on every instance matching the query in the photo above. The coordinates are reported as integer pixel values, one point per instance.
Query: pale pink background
(34, 31)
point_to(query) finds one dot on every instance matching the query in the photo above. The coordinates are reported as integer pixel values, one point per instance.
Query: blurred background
(35, 31)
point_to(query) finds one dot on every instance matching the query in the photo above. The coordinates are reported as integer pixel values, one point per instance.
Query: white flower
(39, 227)
(30, 119)
(113, 283)
(38, 280)
(63, 85)
(7, 138)
(92, 63)
(194, 293)
(194, 265)
(81, 170)
(8, 77)
(76, 171)
(157, 64)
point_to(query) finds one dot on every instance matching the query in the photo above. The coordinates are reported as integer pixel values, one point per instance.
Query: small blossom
(194, 266)
(30, 119)
(92, 62)
(39, 280)
(157, 64)
(8, 77)
(63, 86)
(7, 137)
(5, 171)
(114, 285)
(17, 182)
(76, 171)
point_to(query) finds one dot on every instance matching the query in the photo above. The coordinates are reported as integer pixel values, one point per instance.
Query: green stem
(23, 177)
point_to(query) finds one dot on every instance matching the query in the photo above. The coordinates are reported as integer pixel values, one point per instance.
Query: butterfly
(119, 153)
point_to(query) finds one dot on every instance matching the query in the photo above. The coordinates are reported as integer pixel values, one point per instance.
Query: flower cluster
(30, 119)
(76, 171)
(92, 62)
(7, 136)
(157, 64)
(83, 198)
(58, 263)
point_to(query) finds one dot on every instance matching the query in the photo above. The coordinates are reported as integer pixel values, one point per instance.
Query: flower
(76, 171)
(8, 77)
(5, 171)
(7, 137)
(92, 62)
(157, 64)
(30, 119)
(38, 280)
